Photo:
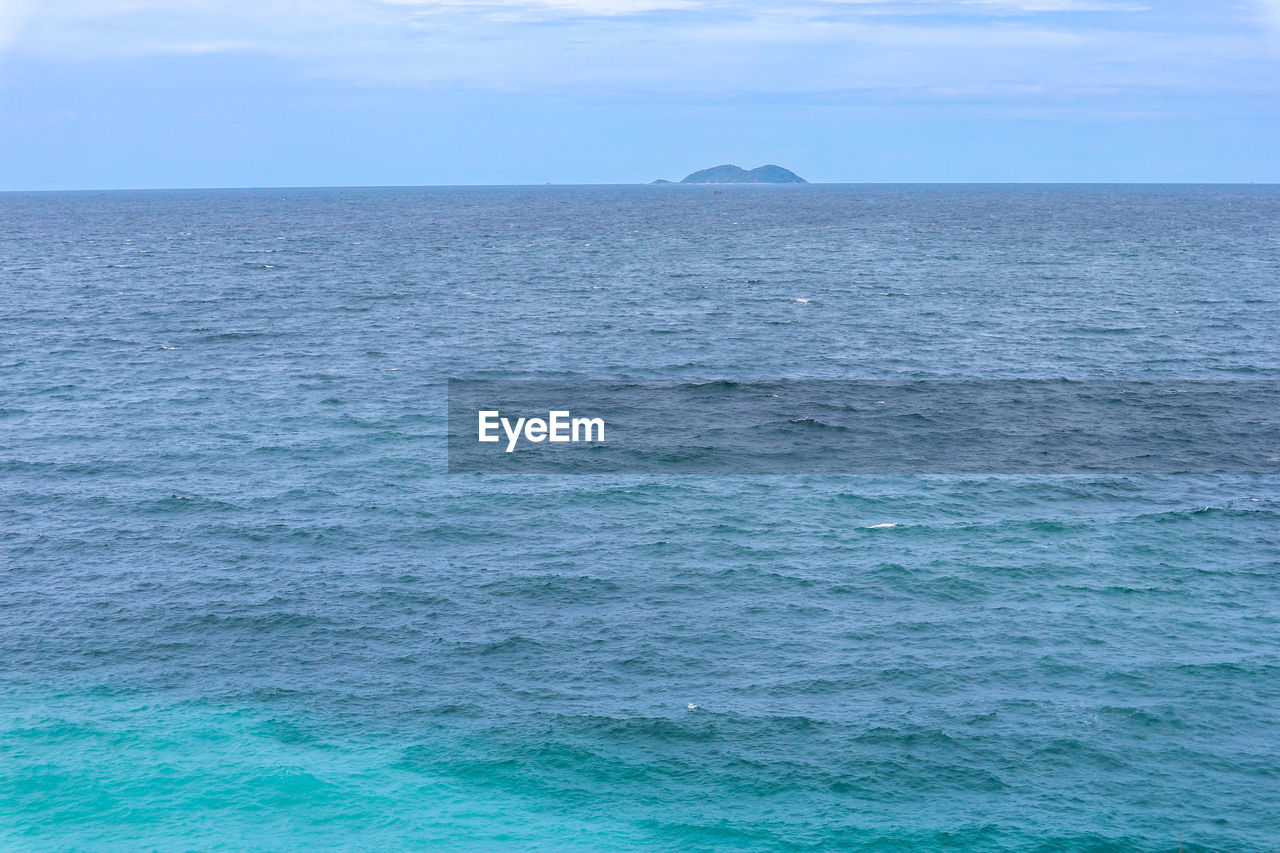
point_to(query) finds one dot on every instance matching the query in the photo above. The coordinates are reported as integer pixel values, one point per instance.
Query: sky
(98, 94)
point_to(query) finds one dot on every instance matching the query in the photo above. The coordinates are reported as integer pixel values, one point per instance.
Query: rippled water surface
(245, 607)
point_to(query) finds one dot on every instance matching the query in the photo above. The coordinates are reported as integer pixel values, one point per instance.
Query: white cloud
(1032, 6)
(699, 47)
(13, 14)
(591, 8)
(1270, 13)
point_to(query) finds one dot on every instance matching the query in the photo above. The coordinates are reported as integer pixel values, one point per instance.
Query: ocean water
(245, 607)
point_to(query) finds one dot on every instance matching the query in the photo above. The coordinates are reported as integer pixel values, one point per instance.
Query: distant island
(729, 174)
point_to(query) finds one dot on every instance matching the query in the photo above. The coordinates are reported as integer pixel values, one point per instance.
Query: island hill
(737, 175)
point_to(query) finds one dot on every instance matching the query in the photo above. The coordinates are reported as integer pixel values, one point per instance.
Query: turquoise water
(246, 608)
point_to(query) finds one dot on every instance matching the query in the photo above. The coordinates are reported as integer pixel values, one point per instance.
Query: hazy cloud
(1002, 49)
(13, 13)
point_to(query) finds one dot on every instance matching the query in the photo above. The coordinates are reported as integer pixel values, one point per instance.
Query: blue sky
(143, 93)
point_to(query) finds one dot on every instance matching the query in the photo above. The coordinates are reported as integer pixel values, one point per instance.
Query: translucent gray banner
(864, 427)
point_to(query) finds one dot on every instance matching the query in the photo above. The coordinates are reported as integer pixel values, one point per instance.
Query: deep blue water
(245, 607)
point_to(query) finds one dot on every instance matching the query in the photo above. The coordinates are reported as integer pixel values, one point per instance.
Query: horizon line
(634, 184)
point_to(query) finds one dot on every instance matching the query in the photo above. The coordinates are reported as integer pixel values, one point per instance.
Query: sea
(245, 606)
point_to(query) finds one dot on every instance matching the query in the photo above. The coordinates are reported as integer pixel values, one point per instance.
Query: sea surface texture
(245, 607)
